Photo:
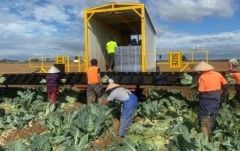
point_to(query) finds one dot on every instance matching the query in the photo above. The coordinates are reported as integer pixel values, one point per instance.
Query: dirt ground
(13, 134)
(219, 66)
(31, 128)
(14, 68)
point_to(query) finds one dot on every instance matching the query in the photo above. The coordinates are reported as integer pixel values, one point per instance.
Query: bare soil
(186, 91)
(14, 68)
(14, 134)
(72, 107)
(108, 139)
(30, 129)
(219, 66)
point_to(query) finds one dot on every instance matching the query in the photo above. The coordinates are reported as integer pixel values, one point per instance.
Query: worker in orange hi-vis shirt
(94, 86)
(211, 86)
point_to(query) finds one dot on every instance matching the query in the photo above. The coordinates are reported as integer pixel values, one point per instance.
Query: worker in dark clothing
(211, 86)
(129, 104)
(52, 80)
(234, 68)
(111, 47)
(94, 86)
(236, 77)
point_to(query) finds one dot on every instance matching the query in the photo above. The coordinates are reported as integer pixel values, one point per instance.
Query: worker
(52, 80)
(235, 74)
(233, 64)
(236, 77)
(111, 47)
(211, 86)
(94, 86)
(129, 104)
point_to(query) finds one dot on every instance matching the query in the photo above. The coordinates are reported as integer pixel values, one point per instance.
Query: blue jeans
(128, 109)
(208, 106)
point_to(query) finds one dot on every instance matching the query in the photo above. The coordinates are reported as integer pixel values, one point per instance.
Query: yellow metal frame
(45, 65)
(81, 66)
(185, 64)
(88, 13)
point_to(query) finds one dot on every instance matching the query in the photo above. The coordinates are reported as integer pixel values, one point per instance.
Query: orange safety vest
(236, 77)
(211, 81)
(92, 75)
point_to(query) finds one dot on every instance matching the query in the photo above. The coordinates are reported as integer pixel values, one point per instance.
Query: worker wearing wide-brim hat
(52, 80)
(129, 104)
(211, 84)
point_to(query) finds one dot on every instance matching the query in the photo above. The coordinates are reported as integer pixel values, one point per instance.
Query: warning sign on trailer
(60, 60)
(175, 59)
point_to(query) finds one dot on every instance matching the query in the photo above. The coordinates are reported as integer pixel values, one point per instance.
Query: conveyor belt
(123, 78)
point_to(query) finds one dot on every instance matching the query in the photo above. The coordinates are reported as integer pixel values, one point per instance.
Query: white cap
(110, 80)
(234, 61)
(53, 69)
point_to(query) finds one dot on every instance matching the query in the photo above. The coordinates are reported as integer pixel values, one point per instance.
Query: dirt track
(24, 67)
(15, 68)
(219, 66)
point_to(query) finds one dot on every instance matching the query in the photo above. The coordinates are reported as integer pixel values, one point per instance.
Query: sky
(43, 28)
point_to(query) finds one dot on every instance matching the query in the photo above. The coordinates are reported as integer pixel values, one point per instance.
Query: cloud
(190, 9)
(26, 47)
(50, 13)
(55, 27)
(174, 39)
(26, 33)
(86, 4)
(221, 45)
(27, 29)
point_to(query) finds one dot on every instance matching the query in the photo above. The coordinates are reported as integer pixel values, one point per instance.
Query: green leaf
(17, 145)
(40, 143)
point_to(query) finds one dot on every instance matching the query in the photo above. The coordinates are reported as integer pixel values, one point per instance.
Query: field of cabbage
(165, 120)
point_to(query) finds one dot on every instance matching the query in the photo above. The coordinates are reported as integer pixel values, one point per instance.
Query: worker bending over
(235, 74)
(94, 86)
(52, 80)
(211, 84)
(111, 47)
(129, 104)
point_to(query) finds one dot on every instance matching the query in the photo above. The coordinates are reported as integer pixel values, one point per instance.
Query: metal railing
(71, 65)
(189, 58)
(77, 64)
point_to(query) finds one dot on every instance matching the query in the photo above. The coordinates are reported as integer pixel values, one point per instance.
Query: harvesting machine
(135, 61)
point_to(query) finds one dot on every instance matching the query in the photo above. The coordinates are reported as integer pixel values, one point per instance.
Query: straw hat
(111, 84)
(203, 66)
(53, 69)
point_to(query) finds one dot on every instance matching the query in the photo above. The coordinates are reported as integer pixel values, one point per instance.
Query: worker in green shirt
(111, 47)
